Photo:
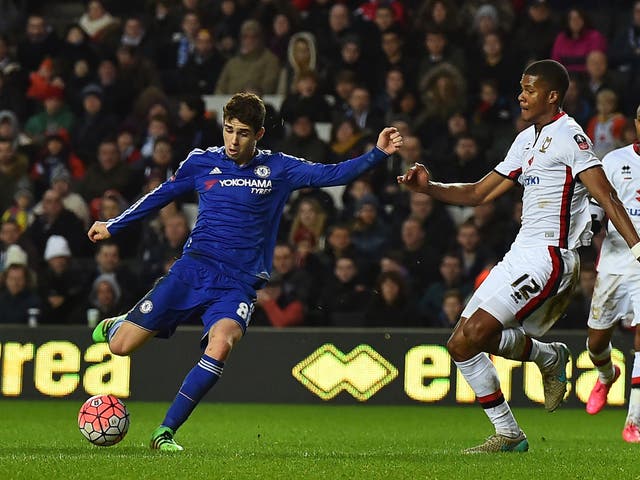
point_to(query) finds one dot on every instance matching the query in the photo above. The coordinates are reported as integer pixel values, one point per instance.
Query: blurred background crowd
(101, 100)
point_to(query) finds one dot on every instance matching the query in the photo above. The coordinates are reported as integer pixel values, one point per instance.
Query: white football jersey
(555, 204)
(622, 167)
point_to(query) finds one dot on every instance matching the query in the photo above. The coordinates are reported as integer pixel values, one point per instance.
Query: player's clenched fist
(416, 178)
(98, 231)
(389, 140)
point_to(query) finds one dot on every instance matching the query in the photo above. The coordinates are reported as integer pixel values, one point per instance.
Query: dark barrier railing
(395, 366)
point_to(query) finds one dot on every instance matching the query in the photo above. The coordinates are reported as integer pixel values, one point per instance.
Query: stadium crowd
(99, 109)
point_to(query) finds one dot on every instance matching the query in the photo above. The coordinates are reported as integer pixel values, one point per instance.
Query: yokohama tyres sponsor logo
(245, 182)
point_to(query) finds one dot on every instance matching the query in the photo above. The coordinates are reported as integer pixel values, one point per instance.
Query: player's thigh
(130, 337)
(223, 335)
(528, 288)
(611, 301)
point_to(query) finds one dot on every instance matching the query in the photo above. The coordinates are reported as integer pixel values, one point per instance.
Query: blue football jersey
(240, 205)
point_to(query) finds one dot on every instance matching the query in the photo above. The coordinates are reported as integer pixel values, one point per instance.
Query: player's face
(240, 140)
(533, 99)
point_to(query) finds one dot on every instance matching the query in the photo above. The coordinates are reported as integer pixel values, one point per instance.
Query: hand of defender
(389, 140)
(98, 231)
(416, 178)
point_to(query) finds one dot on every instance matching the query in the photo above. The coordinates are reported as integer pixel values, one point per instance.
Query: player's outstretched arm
(417, 178)
(389, 140)
(98, 231)
(487, 189)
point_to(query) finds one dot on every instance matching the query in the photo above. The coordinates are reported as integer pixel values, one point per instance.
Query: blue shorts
(193, 289)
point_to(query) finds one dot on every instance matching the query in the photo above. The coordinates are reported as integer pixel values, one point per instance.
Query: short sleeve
(511, 166)
(580, 156)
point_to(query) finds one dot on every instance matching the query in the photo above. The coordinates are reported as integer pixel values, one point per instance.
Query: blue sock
(196, 384)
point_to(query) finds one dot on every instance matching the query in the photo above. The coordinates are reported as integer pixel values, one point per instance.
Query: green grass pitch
(40, 440)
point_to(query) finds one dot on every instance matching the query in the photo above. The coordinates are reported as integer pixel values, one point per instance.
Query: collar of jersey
(246, 165)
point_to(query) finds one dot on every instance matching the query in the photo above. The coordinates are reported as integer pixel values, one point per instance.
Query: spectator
(366, 115)
(442, 92)
(418, 255)
(56, 220)
(440, 15)
(573, 44)
(21, 210)
(276, 308)
(606, 126)
(370, 233)
(395, 58)
(599, 77)
(391, 304)
(431, 302)
(62, 286)
(75, 48)
(96, 21)
(344, 298)
(253, 65)
(13, 172)
(495, 64)
(109, 264)
(108, 173)
(473, 254)
(72, 201)
(625, 56)
(109, 206)
(576, 102)
(129, 153)
(40, 41)
(467, 164)
(55, 155)
(452, 306)
(437, 50)
(296, 282)
(338, 245)
(539, 25)
(339, 27)
(134, 73)
(93, 125)
(200, 73)
(194, 129)
(302, 58)
(56, 115)
(306, 97)
(347, 140)
(308, 224)
(11, 235)
(18, 297)
(105, 295)
(280, 34)
(303, 140)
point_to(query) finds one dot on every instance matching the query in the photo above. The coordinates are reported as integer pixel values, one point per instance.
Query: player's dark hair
(247, 108)
(553, 73)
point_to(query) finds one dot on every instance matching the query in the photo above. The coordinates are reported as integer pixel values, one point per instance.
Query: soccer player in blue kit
(242, 191)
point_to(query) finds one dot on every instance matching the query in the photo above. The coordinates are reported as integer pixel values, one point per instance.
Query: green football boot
(162, 439)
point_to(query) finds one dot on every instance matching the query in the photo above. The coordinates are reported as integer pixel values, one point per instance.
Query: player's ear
(553, 96)
(260, 133)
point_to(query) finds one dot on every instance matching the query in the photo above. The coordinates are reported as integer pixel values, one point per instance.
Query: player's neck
(548, 118)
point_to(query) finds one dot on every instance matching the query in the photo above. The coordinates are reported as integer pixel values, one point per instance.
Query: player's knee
(455, 345)
(475, 334)
(119, 346)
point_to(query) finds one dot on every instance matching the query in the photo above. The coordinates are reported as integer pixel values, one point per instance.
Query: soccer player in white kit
(616, 296)
(529, 289)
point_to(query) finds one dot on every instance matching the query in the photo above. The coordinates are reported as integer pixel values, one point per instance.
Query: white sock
(634, 398)
(516, 345)
(603, 363)
(483, 379)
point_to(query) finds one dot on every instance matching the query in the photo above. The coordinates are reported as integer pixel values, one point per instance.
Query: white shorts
(530, 288)
(615, 298)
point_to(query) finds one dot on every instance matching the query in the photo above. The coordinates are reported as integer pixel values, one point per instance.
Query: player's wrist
(636, 251)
